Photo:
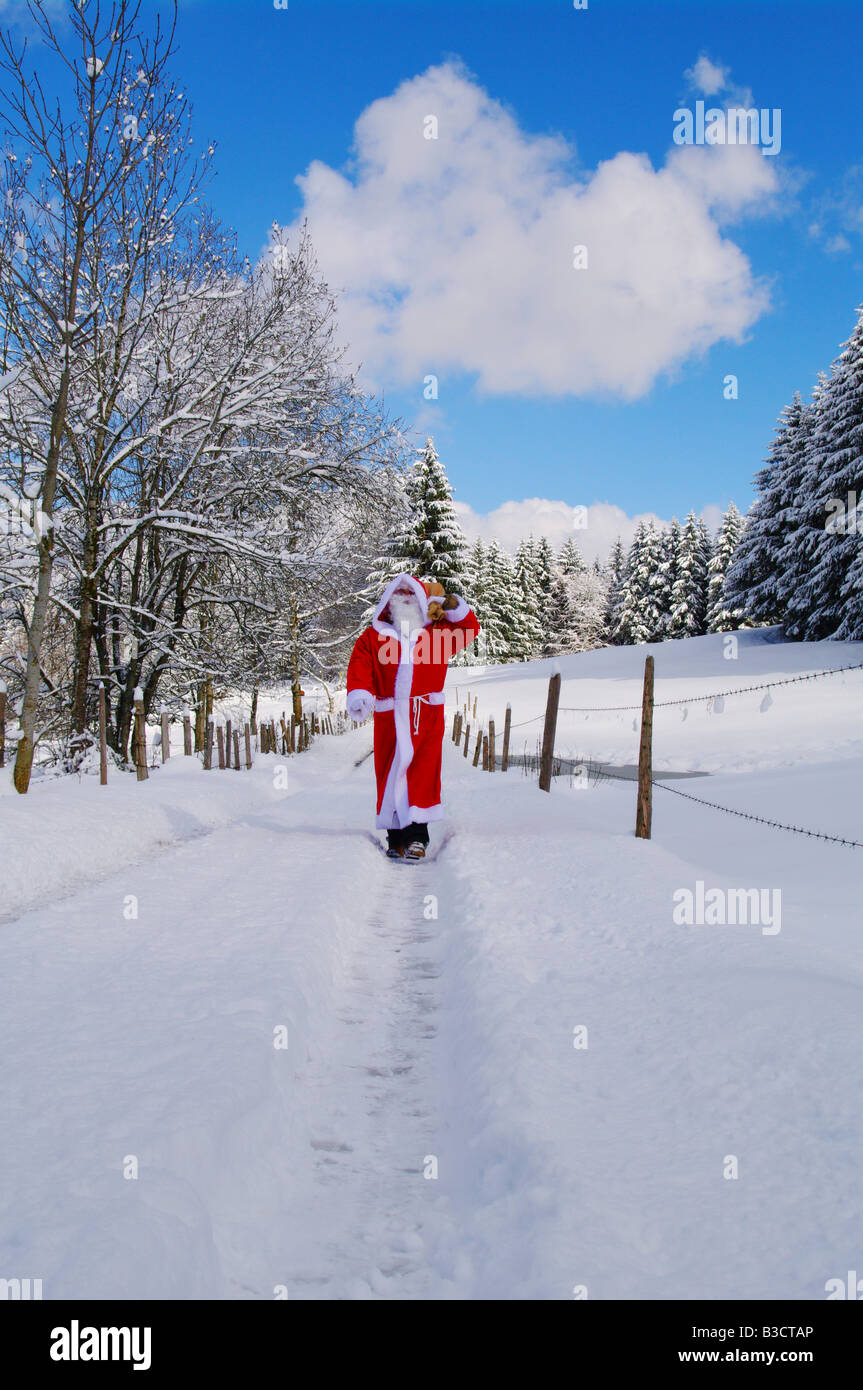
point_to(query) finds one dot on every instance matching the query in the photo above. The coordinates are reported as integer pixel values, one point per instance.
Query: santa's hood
(378, 622)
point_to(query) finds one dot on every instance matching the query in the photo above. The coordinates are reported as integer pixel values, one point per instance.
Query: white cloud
(455, 255)
(707, 77)
(539, 516)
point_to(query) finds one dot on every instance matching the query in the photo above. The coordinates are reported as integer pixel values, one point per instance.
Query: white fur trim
(420, 815)
(458, 614)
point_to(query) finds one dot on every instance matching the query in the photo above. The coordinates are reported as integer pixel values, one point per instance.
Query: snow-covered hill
(509, 1072)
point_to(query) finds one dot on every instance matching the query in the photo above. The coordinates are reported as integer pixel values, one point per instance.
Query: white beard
(406, 611)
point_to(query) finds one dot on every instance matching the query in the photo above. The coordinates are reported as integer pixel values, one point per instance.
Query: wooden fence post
(165, 725)
(187, 733)
(208, 744)
(247, 733)
(236, 750)
(220, 736)
(140, 737)
(491, 745)
(474, 706)
(286, 743)
(228, 732)
(507, 724)
(2, 723)
(547, 760)
(466, 740)
(103, 736)
(485, 752)
(645, 756)
(478, 749)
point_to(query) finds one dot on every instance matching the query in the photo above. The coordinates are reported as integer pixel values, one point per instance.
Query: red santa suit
(401, 676)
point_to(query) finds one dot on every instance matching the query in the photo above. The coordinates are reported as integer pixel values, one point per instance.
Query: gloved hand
(438, 599)
(360, 704)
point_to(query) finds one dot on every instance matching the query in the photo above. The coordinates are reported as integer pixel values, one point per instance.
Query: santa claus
(397, 669)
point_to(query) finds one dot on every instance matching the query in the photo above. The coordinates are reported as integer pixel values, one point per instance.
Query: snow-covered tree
(526, 604)
(767, 567)
(721, 618)
(615, 577)
(431, 544)
(641, 616)
(826, 549)
(686, 617)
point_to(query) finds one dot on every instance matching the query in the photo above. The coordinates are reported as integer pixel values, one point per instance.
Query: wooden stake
(220, 737)
(478, 749)
(166, 735)
(644, 808)
(466, 739)
(208, 745)
(103, 736)
(247, 734)
(491, 745)
(140, 742)
(547, 759)
(485, 752)
(286, 743)
(187, 733)
(507, 724)
(236, 750)
(474, 707)
(228, 732)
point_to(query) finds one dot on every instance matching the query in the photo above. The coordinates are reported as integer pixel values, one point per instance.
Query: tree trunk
(84, 627)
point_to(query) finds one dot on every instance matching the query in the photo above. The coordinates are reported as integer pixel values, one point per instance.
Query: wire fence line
(695, 699)
(603, 772)
(717, 695)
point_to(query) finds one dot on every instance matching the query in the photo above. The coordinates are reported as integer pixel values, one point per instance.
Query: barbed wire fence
(551, 760)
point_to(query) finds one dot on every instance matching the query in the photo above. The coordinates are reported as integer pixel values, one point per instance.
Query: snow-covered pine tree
(615, 578)
(570, 559)
(721, 618)
(546, 573)
(561, 627)
(828, 545)
(766, 568)
(432, 545)
(500, 639)
(527, 634)
(639, 617)
(688, 595)
(668, 573)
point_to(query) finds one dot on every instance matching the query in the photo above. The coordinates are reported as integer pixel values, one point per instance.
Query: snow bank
(69, 831)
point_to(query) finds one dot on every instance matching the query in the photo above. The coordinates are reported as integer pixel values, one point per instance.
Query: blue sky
(527, 407)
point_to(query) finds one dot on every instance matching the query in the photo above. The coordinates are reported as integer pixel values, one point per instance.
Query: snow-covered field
(436, 1126)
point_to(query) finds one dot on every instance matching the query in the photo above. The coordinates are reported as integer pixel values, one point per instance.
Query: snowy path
(414, 1036)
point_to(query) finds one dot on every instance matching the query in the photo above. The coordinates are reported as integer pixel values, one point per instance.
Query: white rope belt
(434, 697)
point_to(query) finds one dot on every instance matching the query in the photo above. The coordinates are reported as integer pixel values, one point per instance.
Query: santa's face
(405, 609)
